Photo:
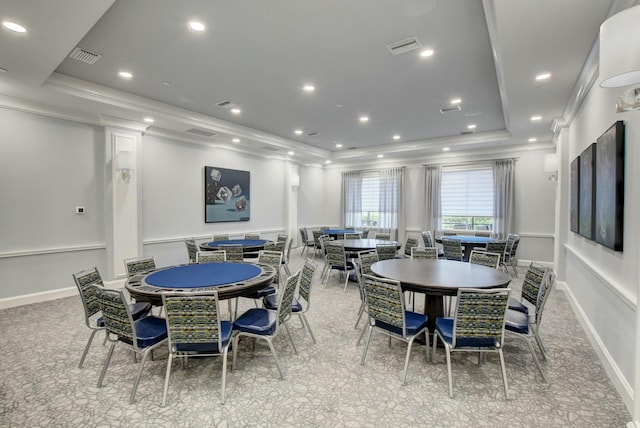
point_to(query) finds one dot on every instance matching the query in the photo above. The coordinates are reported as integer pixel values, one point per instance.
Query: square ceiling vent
(406, 45)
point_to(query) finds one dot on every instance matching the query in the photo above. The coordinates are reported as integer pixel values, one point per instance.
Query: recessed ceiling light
(445, 149)
(380, 156)
(339, 105)
(456, 101)
(125, 75)
(536, 118)
(327, 162)
(196, 26)
(166, 83)
(14, 27)
(236, 110)
(471, 126)
(532, 140)
(308, 88)
(543, 76)
(396, 137)
(426, 53)
(363, 119)
(3, 70)
(338, 145)
(298, 132)
(235, 140)
(149, 119)
(290, 153)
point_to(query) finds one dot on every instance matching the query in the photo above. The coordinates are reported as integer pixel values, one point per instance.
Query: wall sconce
(619, 59)
(551, 165)
(295, 182)
(125, 163)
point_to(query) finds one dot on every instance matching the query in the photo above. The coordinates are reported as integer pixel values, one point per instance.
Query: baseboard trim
(27, 299)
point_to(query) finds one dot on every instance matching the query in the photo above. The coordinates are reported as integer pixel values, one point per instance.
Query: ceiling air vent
(202, 132)
(406, 45)
(85, 56)
(271, 149)
(312, 134)
(449, 109)
(466, 132)
(226, 104)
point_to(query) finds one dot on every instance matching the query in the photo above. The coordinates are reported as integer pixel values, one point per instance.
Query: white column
(292, 183)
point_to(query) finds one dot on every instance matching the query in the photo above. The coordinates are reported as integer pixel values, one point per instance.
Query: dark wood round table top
(440, 276)
(355, 245)
(229, 279)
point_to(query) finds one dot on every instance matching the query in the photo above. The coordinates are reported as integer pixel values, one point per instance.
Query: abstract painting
(227, 195)
(587, 185)
(574, 208)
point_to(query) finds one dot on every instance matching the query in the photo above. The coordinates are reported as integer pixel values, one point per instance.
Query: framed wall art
(227, 195)
(574, 208)
(609, 187)
(587, 186)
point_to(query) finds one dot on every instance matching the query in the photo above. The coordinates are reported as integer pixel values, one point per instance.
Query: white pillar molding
(292, 184)
(121, 198)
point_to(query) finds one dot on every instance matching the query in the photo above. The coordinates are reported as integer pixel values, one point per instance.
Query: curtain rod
(469, 162)
(373, 169)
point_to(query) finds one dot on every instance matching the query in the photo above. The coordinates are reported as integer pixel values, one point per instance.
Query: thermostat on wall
(79, 210)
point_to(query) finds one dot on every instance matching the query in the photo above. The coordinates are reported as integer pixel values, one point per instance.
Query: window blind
(467, 192)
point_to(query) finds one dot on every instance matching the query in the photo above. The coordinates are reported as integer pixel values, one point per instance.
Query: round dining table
(229, 279)
(436, 278)
(357, 245)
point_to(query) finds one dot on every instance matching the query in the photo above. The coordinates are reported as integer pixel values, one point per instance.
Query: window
(371, 198)
(467, 198)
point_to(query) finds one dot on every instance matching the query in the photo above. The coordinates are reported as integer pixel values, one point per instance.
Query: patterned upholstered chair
(262, 323)
(449, 233)
(365, 234)
(424, 253)
(382, 235)
(452, 249)
(305, 241)
(302, 302)
(530, 287)
(252, 236)
(286, 257)
(483, 233)
(509, 259)
(141, 336)
(484, 258)
(337, 260)
(386, 251)
(233, 252)
(363, 267)
(192, 249)
(316, 241)
(194, 327)
(411, 242)
(211, 256)
(324, 240)
(282, 237)
(478, 326)
(356, 235)
(275, 246)
(85, 280)
(139, 265)
(387, 314)
(427, 239)
(522, 325)
(498, 246)
(220, 238)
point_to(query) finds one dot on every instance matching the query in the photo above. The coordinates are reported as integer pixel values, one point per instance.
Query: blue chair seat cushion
(271, 302)
(150, 330)
(139, 309)
(444, 326)
(516, 321)
(517, 305)
(349, 266)
(258, 321)
(414, 323)
(226, 328)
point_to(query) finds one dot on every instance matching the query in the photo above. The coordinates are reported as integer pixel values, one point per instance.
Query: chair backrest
(322, 241)
(192, 249)
(273, 259)
(545, 289)
(287, 253)
(427, 239)
(386, 251)
(365, 260)
(220, 238)
(483, 233)
(410, 243)
(192, 319)
(139, 265)
(336, 256)
(116, 314)
(514, 247)
(352, 235)
(424, 253)
(252, 236)
(532, 282)
(479, 317)
(365, 233)
(303, 235)
(305, 280)
(85, 280)
(383, 235)
(385, 302)
(510, 240)
(233, 251)
(275, 246)
(496, 246)
(282, 237)
(286, 298)
(211, 256)
(449, 233)
(485, 258)
(316, 236)
(452, 249)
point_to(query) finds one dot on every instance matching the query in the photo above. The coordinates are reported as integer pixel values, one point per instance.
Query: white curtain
(392, 212)
(504, 196)
(432, 204)
(352, 198)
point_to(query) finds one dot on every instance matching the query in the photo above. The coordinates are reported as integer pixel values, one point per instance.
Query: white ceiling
(258, 54)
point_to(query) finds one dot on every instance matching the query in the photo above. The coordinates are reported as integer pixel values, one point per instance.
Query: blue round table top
(203, 275)
(470, 239)
(246, 243)
(338, 231)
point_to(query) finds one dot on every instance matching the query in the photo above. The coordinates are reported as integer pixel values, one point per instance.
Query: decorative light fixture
(125, 162)
(619, 62)
(551, 165)
(295, 182)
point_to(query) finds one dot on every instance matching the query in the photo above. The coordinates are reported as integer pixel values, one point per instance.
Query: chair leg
(535, 358)
(435, 344)
(406, 361)
(449, 376)
(305, 322)
(366, 346)
(364, 329)
(87, 346)
(166, 379)
(275, 357)
(543, 350)
(346, 281)
(236, 340)
(137, 381)
(360, 312)
(286, 327)
(224, 373)
(504, 373)
(513, 266)
(107, 359)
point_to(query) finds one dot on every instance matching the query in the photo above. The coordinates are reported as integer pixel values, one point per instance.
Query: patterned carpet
(325, 385)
